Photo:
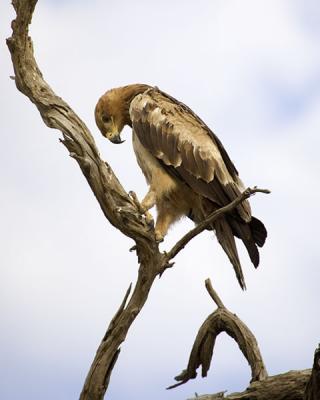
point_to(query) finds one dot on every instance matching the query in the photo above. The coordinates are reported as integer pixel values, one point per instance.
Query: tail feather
(226, 240)
(252, 234)
(258, 230)
(242, 231)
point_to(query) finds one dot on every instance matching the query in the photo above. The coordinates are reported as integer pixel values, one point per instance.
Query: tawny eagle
(188, 170)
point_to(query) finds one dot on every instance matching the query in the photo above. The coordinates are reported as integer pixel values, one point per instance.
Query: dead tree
(122, 211)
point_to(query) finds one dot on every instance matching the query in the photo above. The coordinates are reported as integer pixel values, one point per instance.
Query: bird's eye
(105, 119)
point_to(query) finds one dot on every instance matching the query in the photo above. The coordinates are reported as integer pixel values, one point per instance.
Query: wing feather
(150, 138)
(176, 136)
(172, 149)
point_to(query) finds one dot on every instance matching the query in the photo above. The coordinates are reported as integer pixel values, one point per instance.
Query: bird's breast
(155, 174)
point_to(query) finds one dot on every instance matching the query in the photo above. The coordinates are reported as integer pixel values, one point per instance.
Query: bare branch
(204, 224)
(214, 295)
(115, 203)
(118, 313)
(222, 320)
(288, 386)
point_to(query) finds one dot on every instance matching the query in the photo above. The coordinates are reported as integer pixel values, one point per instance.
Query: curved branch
(222, 320)
(115, 203)
(213, 294)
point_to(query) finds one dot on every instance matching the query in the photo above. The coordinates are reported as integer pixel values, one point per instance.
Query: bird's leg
(164, 220)
(149, 200)
(147, 203)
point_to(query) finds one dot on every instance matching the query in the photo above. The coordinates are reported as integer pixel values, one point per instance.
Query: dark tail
(225, 237)
(251, 233)
(258, 231)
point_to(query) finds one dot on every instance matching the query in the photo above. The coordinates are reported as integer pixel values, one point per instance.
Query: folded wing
(176, 136)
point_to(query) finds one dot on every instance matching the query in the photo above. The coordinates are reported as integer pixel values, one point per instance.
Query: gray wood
(221, 320)
(288, 386)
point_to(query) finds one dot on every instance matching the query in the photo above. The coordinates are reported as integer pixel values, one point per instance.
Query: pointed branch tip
(213, 294)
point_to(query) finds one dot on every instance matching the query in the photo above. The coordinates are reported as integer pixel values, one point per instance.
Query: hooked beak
(117, 139)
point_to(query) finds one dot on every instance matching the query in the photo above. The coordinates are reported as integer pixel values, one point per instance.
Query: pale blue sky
(250, 69)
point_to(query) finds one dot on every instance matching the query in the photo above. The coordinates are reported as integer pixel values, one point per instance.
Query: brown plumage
(187, 168)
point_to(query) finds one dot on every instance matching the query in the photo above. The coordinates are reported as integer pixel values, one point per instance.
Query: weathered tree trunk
(98, 378)
(117, 206)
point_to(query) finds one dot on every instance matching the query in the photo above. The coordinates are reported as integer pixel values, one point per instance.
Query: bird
(187, 169)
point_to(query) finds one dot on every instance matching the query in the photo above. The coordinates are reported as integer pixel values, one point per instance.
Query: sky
(250, 70)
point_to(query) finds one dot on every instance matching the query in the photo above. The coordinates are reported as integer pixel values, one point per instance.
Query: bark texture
(222, 320)
(288, 386)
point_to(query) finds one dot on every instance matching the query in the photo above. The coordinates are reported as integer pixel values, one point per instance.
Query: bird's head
(110, 115)
(112, 110)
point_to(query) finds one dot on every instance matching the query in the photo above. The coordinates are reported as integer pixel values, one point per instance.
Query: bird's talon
(159, 238)
(150, 227)
(134, 197)
(132, 194)
(149, 219)
(136, 202)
